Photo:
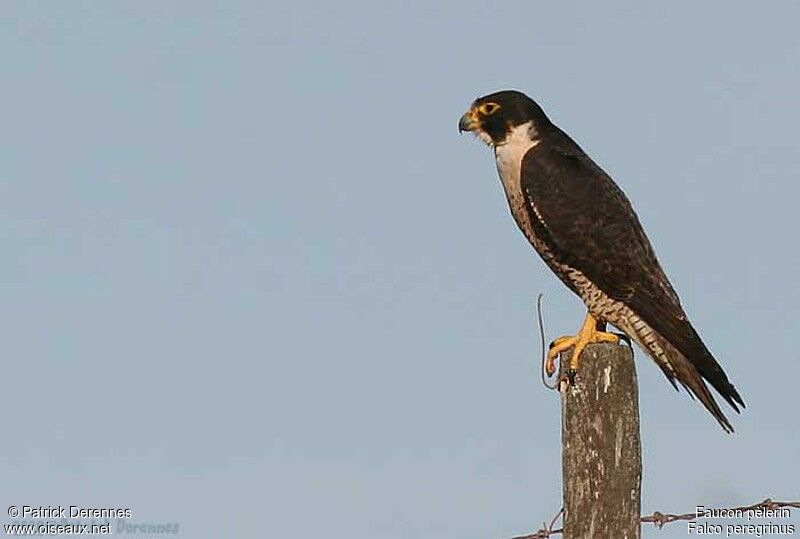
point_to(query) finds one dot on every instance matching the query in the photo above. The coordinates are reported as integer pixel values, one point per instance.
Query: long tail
(693, 372)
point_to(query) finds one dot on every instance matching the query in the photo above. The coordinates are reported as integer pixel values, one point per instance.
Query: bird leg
(592, 331)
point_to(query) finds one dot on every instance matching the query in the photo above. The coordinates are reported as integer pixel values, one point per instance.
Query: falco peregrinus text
(585, 229)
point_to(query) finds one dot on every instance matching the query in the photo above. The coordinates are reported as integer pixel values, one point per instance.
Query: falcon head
(495, 117)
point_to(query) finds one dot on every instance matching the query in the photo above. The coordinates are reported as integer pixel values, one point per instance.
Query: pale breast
(508, 158)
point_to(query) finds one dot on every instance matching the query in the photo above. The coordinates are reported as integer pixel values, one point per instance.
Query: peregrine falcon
(584, 228)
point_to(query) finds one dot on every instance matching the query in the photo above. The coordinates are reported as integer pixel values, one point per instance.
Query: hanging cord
(554, 387)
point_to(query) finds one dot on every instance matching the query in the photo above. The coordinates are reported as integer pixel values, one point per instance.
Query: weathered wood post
(602, 455)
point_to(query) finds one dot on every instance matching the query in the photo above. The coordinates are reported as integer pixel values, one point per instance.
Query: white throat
(509, 154)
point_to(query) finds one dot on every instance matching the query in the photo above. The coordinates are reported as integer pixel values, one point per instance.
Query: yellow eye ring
(489, 108)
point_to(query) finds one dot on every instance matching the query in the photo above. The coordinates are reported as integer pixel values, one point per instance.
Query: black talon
(571, 376)
(623, 337)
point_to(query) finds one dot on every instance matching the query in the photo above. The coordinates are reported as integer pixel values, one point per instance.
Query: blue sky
(256, 284)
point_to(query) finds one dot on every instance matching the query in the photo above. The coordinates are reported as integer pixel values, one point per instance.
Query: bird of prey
(584, 228)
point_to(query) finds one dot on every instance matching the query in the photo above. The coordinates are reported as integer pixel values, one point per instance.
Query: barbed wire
(659, 519)
(547, 529)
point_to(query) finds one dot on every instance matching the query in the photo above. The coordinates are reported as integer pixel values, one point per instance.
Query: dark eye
(489, 108)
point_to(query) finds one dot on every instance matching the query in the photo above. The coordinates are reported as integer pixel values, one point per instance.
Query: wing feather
(590, 225)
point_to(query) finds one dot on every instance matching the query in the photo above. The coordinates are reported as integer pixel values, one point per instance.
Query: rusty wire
(659, 519)
(547, 529)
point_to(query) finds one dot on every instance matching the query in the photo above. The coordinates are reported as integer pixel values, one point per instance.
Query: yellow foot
(588, 334)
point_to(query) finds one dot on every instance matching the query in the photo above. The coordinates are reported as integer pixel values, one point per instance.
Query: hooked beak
(468, 122)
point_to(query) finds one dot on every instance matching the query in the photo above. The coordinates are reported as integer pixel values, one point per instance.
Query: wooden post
(602, 455)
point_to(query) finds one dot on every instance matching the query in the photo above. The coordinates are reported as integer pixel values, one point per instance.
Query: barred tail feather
(692, 374)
